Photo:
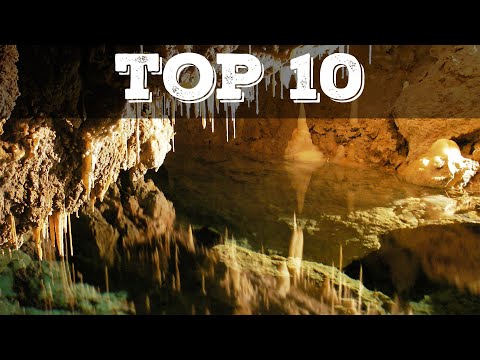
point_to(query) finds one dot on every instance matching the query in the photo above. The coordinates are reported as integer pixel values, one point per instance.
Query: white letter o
(328, 77)
(202, 90)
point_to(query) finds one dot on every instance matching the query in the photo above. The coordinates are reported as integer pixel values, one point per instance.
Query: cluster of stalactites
(279, 75)
(55, 231)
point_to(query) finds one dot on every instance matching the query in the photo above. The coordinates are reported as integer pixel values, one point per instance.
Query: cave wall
(72, 99)
(8, 82)
(65, 142)
(413, 96)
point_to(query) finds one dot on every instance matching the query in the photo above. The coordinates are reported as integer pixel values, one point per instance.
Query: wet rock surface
(66, 146)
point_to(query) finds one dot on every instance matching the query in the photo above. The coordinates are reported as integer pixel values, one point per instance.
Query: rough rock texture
(67, 93)
(33, 288)
(8, 82)
(434, 268)
(442, 104)
(365, 141)
(248, 272)
(131, 214)
(174, 273)
(57, 168)
(414, 95)
(446, 253)
(447, 89)
(370, 225)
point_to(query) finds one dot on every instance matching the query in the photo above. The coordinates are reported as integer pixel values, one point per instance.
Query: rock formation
(69, 143)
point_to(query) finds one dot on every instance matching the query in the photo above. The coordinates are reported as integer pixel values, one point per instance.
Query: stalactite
(234, 108)
(285, 76)
(226, 119)
(106, 187)
(211, 110)
(274, 81)
(88, 165)
(204, 115)
(256, 98)
(13, 229)
(57, 230)
(174, 110)
(69, 224)
(37, 237)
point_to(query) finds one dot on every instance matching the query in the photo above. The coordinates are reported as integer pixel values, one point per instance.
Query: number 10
(306, 93)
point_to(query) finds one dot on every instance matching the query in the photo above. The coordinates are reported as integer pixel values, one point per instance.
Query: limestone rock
(442, 166)
(8, 81)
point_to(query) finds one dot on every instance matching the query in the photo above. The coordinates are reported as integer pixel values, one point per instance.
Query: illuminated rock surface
(69, 144)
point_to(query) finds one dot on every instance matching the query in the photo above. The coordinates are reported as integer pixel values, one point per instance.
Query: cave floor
(418, 249)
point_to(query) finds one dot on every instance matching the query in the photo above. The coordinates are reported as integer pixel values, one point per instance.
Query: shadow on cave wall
(438, 265)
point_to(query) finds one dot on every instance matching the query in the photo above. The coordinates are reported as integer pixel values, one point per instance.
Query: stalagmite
(360, 288)
(190, 242)
(295, 250)
(177, 271)
(340, 280)
(283, 281)
(300, 147)
(304, 159)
